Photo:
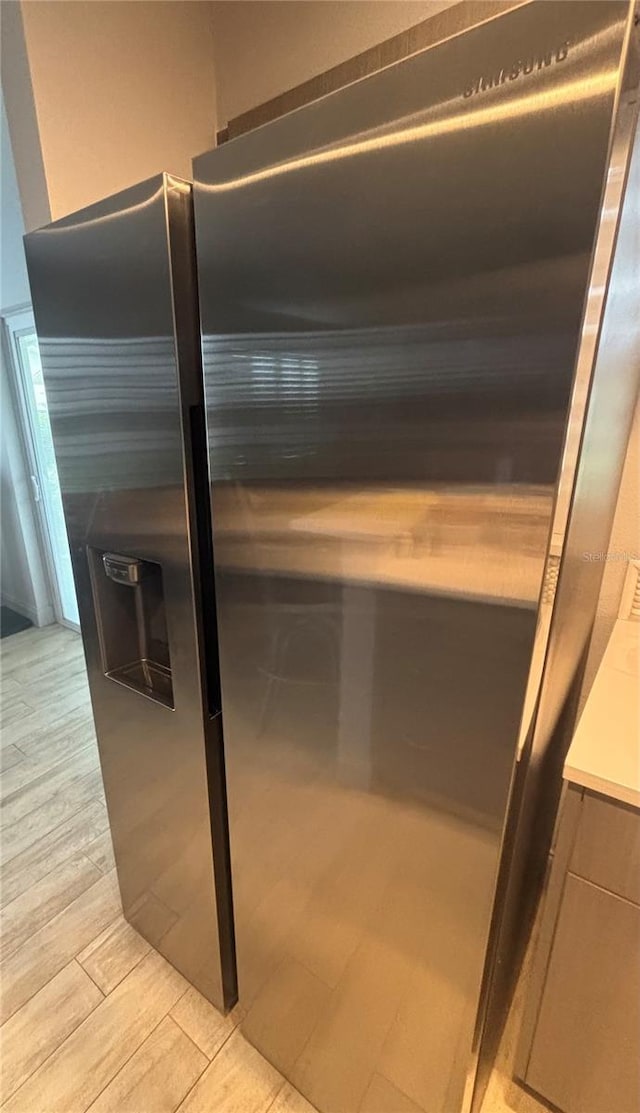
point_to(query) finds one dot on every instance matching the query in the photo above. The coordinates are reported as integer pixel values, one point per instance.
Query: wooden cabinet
(580, 1040)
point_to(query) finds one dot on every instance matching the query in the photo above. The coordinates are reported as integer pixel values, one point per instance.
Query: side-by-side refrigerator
(349, 500)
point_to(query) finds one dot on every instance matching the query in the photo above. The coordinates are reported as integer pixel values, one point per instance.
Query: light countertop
(605, 752)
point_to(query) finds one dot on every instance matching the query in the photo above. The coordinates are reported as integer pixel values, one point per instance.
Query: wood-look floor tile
(7, 744)
(12, 711)
(51, 948)
(113, 954)
(47, 782)
(35, 645)
(100, 852)
(29, 725)
(63, 738)
(10, 755)
(64, 664)
(238, 1080)
(71, 700)
(44, 696)
(55, 810)
(17, 776)
(51, 707)
(25, 915)
(72, 694)
(78, 833)
(16, 660)
(43, 1023)
(202, 1022)
(25, 785)
(10, 689)
(157, 1077)
(77, 1072)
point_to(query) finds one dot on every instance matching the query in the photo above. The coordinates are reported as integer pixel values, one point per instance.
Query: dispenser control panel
(122, 569)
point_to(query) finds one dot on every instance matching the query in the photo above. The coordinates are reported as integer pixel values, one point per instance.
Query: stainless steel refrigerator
(419, 379)
(115, 305)
(419, 335)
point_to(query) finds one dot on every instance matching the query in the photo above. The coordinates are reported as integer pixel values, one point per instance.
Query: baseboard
(40, 616)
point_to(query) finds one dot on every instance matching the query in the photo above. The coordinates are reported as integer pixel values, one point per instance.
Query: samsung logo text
(520, 68)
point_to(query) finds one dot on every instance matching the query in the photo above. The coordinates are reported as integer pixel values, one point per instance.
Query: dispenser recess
(132, 623)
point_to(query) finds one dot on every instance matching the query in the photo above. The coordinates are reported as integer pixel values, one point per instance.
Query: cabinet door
(584, 1055)
(607, 847)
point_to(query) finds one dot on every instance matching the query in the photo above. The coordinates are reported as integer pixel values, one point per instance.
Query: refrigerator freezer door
(118, 331)
(392, 282)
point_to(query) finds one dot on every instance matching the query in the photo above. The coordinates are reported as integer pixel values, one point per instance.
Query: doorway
(25, 371)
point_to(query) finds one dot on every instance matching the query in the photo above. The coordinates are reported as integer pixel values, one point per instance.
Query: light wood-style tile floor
(92, 1018)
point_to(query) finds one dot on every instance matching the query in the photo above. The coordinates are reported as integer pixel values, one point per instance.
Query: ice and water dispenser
(132, 623)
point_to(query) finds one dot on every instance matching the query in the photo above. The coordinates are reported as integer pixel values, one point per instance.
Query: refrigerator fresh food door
(392, 284)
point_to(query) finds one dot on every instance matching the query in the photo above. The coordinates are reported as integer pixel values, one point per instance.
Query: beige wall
(264, 47)
(121, 91)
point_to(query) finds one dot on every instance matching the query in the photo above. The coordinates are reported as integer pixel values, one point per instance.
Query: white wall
(23, 582)
(264, 47)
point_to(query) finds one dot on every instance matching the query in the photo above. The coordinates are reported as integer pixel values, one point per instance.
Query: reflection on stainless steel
(605, 394)
(445, 119)
(470, 401)
(606, 381)
(128, 437)
(392, 283)
(107, 285)
(479, 543)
